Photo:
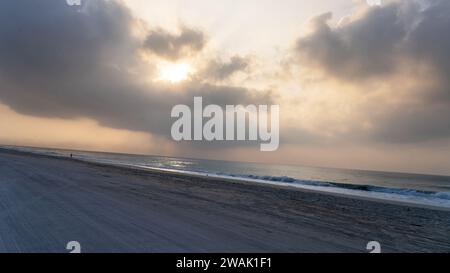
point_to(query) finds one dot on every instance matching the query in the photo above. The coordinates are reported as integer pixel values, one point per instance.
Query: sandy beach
(46, 202)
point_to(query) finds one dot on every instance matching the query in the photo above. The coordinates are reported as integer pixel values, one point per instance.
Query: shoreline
(46, 202)
(256, 182)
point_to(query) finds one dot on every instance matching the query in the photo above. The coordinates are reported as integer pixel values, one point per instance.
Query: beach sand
(46, 202)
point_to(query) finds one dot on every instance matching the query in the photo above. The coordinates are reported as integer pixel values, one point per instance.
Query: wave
(387, 193)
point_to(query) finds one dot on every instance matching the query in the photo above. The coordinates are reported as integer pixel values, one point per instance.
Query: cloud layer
(71, 62)
(396, 57)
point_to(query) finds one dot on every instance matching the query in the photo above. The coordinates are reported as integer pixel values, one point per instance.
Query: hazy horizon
(223, 160)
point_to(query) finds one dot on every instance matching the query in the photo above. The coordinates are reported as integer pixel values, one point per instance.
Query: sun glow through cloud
(174, 72)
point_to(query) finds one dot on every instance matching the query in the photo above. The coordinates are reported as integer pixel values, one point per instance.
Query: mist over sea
(412, 188)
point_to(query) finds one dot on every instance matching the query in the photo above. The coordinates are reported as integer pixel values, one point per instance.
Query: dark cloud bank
(398, 38)
(69, 62)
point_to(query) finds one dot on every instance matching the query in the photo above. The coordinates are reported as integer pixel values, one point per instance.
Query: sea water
(411, 188)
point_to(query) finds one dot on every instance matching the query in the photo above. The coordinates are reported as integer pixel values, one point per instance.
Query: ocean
(411, 188)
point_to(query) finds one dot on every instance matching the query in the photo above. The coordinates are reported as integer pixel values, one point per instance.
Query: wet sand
(46, 202)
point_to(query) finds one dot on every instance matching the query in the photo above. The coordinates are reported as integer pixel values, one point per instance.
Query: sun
(174, 72)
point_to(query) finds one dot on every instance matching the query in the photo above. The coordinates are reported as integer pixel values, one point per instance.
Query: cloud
(364, 47)
(68, 62)
(380, 41)
(220, 70)
(396, 58)
(175, 46)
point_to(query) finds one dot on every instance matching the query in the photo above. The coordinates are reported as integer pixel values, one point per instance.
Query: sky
(360, 84)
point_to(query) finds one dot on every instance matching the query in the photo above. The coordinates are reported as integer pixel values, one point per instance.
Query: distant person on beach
(71, 156)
